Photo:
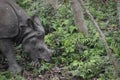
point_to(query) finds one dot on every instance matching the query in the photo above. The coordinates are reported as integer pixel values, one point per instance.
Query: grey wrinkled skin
(18, 28)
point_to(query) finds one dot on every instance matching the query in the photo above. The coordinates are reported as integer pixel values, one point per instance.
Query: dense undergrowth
(83, 57)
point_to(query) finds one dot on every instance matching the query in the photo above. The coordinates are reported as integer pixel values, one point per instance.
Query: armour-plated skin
(16, 27)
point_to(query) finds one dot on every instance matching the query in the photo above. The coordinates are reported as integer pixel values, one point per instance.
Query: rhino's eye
(40, 37)
(33, 42)
(40, 49)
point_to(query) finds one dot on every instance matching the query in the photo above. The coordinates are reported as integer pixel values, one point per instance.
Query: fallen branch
(102, 37)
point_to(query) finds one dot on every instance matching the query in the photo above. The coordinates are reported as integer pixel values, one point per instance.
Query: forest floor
(56, 73)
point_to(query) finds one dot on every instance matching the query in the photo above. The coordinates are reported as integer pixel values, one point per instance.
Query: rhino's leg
(8, 50)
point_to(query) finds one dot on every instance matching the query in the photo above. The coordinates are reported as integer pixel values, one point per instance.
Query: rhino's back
(11, 17)
(8, 21)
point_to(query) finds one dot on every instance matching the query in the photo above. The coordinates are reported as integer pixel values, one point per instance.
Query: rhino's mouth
(46, 59)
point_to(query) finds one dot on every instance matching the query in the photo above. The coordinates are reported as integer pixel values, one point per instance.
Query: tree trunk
(102, 37)
(78, 17)
(53, 3)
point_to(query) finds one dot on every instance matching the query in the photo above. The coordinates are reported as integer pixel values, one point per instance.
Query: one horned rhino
(17, 27)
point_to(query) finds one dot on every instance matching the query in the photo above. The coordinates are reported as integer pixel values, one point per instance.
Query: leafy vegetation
(79, 56)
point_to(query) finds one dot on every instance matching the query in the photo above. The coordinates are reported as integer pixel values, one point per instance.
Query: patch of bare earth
(55, 73)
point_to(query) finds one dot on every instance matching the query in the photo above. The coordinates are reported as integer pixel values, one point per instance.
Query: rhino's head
(33, 42)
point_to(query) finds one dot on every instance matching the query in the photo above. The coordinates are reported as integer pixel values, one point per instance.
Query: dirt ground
(55, 73)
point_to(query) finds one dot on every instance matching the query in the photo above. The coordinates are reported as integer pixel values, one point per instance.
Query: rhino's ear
(36, 20)
(37, 24)
(35, 17)
(30, 23)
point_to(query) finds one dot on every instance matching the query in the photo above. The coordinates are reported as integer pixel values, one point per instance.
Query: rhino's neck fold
(27, 34)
